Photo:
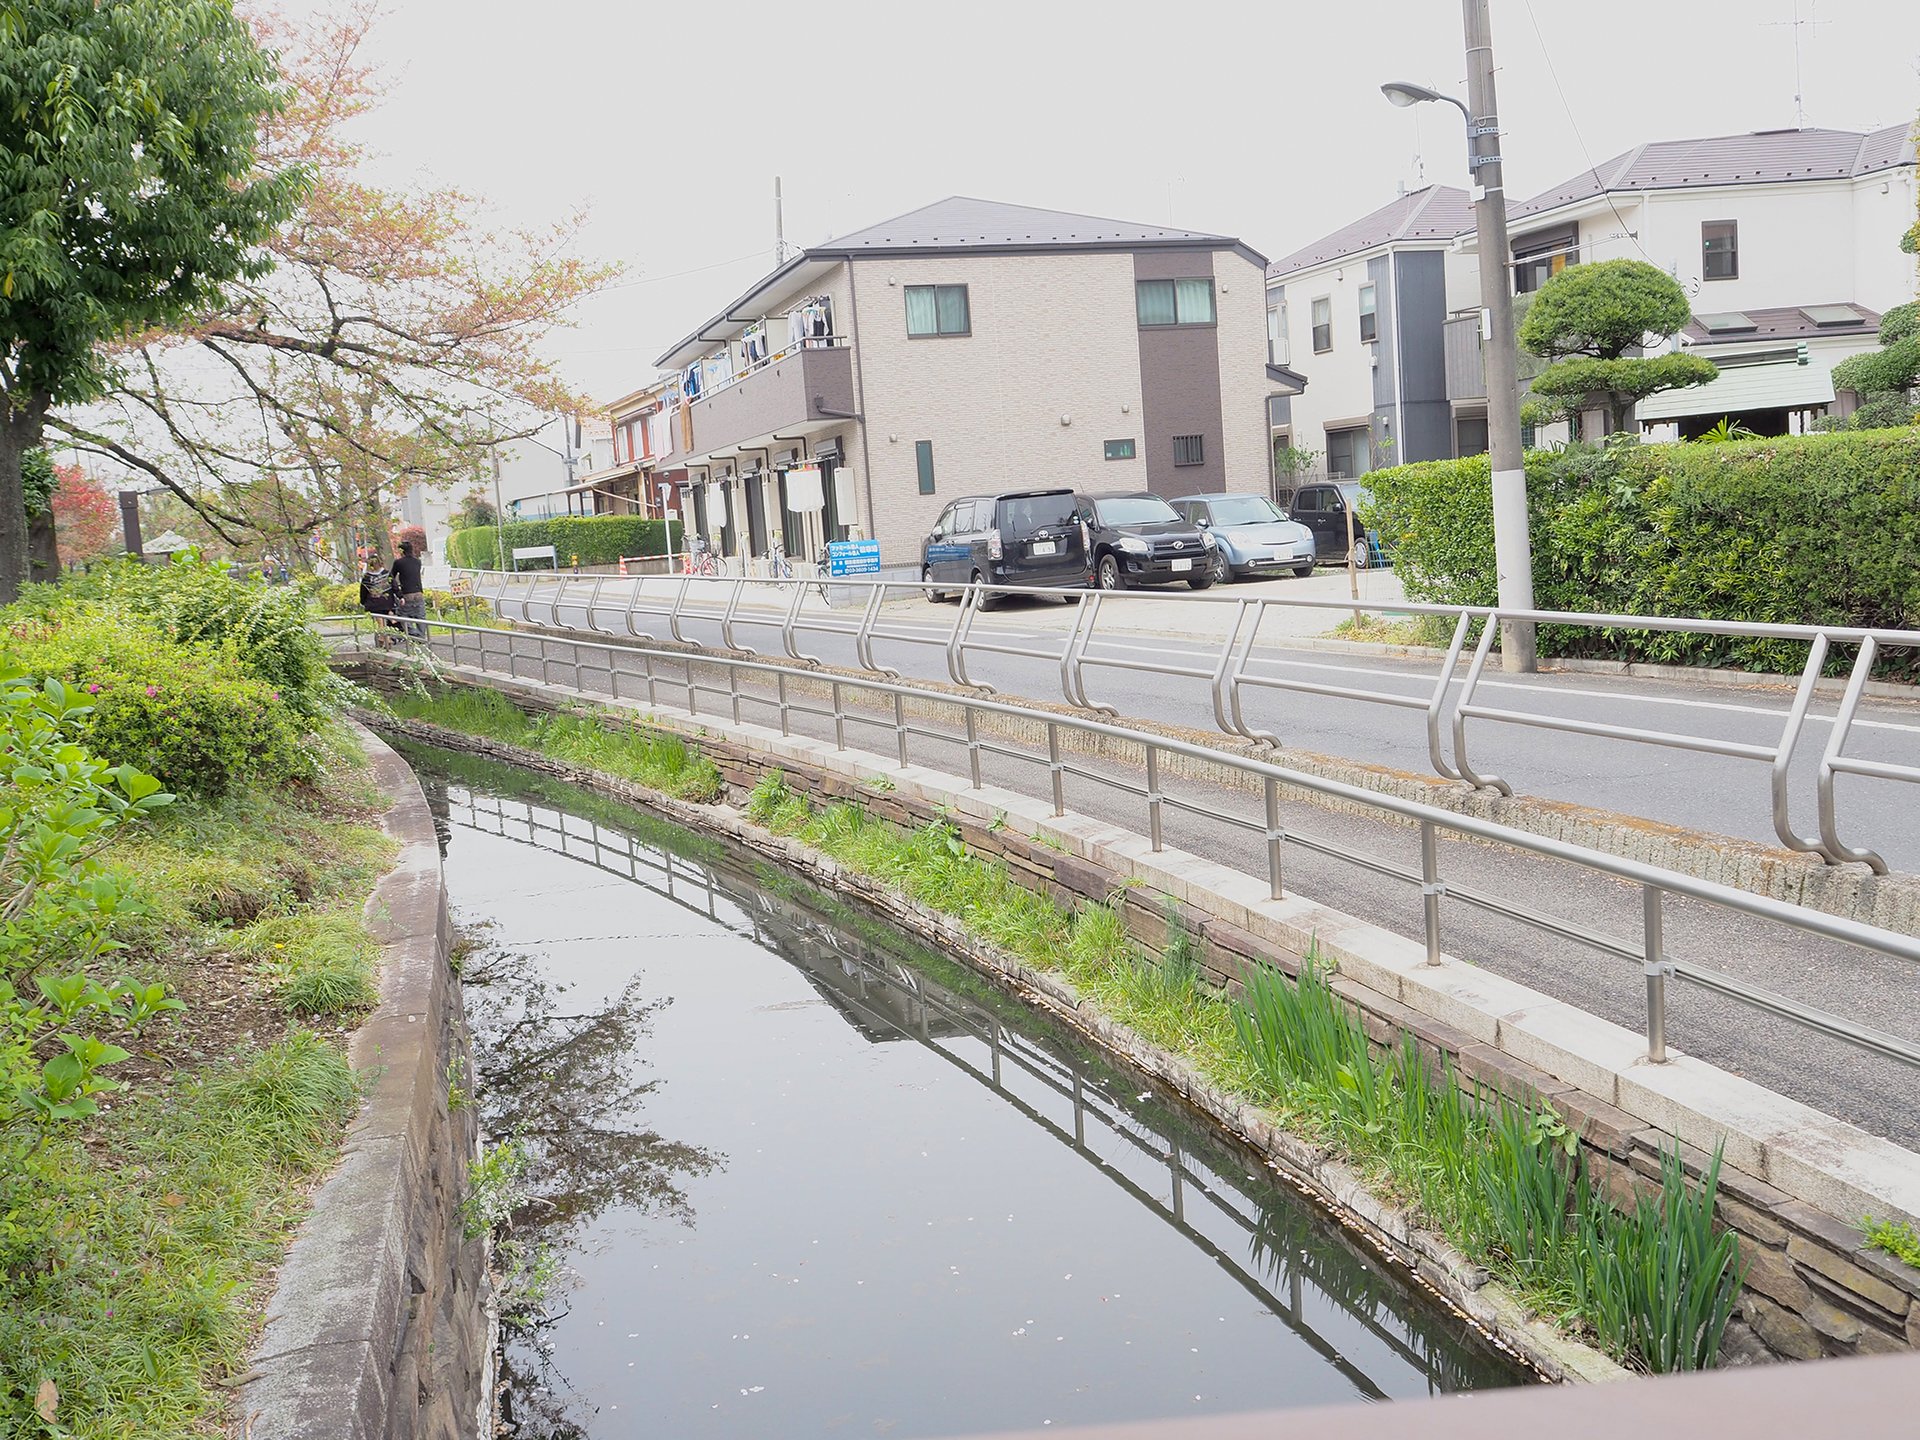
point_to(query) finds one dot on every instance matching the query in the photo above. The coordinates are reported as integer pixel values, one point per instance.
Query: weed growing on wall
(1893, 1237)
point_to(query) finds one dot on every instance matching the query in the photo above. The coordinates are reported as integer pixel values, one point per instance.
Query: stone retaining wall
(1813, 1289)
(379, 1326)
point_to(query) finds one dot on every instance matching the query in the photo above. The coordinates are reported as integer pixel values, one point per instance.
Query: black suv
(1142, 540)
(1018, 537)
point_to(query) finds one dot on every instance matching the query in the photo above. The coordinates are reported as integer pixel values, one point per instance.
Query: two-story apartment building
(963, 347)
(633, 481)
(1786, 242)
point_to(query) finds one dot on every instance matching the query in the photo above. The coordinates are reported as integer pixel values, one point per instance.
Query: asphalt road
(1720, 795)
(1843, 1081)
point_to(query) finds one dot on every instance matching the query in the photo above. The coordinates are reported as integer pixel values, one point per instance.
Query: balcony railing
(810, 382)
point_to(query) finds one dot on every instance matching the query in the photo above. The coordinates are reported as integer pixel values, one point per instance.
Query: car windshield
(1245, 510)
(1021, 513)
(1356, 493)
(1135, 510)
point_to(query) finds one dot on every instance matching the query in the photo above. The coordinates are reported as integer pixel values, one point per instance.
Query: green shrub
(318, 964)
(187, 713)
(596, 539)
(1813, 529)
(261, 629)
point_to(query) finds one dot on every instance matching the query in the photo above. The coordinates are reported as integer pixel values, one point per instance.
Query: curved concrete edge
(378, 1325)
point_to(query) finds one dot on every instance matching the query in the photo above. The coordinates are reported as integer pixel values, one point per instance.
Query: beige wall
(1052, 336)
(1240, 306)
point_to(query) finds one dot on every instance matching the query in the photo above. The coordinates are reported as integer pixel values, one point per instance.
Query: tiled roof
(1439, 212)
(1782, 322)
(1760, 158)
(962, 223)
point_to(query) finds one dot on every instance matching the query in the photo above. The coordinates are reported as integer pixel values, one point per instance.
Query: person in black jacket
(376, 598)
(409, 595)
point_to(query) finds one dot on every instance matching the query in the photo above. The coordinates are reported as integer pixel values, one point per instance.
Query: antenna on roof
(779, 226)
(1796, 24)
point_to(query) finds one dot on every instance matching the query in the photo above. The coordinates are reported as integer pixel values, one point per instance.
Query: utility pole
(499, 516)
(1513, 550)
(779, 226)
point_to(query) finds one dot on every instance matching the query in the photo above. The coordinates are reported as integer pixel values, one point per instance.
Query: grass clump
(1893, 1237)
(646, 757)
(316, 964)
(130, 1286)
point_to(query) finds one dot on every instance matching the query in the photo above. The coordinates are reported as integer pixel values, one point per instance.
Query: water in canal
(806, 1178)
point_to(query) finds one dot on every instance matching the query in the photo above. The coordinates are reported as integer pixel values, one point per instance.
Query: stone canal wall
(1790, 1179)
(379, 1326)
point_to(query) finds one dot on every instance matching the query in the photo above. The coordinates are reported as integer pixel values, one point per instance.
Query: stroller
(376, 598)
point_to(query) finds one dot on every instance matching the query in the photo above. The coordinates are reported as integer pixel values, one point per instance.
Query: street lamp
(1512, 549)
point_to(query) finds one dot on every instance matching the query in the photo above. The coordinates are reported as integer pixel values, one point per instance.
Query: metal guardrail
(1227, 672)
(675, 672)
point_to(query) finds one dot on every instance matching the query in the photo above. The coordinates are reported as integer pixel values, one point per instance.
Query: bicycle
(777, 563)
(700, 559)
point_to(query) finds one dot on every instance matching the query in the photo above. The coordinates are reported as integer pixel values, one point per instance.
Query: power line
(1592, 169)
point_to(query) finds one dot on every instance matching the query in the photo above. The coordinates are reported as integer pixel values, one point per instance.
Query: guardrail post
(1431, 888)
(693, 691)
(1435, 750)
(973, 747)
(546, 677)
(1465, 698)
(733, 691)
(780, 689)
(1153, 796)
(1053, 766)
(653, 699)
(839, 720)
(1276, 838)
(900, 726)
(1836, 743)
(1656, 968)
(1783, 754)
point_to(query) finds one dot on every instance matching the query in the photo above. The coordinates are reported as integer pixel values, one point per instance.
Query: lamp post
(1512, 549)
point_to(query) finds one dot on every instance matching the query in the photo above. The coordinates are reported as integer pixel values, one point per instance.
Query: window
(1322, 325)
(1720, 250)
(1469, 435)
(938, 310)
(1349, 452)
(1174, 302)
(923, 458)
(1279, 351)
(1119, 449)
(1133, 510)
(946, 524)
(1369, 314)
(1530, 272)
(1308, 501)
(1189, 450)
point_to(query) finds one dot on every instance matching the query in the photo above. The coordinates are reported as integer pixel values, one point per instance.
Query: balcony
(793, 393)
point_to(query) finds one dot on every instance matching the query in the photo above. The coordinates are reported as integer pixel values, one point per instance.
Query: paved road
(1839, 1079)
(1713, 793)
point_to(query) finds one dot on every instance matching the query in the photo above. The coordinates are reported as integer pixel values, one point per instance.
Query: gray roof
(961, 222)
(1760, 158)
(1781, 322)
(1439, 212)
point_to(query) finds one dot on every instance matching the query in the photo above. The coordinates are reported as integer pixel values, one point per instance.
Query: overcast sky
(669, 121)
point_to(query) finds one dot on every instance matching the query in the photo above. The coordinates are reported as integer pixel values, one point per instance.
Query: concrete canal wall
(378, 1328)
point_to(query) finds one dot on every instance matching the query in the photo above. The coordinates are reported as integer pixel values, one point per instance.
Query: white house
(1786, 242)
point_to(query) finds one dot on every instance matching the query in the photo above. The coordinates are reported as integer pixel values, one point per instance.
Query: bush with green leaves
(1806, 529)
(187, 712)
(595, 539)
(260, 629)
(58, 905)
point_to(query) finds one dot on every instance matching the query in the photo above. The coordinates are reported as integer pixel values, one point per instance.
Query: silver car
(1252, 535)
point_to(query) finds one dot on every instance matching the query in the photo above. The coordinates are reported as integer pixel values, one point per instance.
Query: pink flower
(93, 689)
(152, 690)
(276, 694)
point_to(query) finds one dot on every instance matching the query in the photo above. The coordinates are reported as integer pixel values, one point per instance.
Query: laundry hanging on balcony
(810, 322)
(805, 493)
(754, 344)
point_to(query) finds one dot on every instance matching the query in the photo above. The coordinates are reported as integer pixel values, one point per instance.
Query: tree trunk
(43, 548)
(20, 430)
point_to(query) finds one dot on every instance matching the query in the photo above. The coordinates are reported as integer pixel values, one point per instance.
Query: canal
(799, 1176)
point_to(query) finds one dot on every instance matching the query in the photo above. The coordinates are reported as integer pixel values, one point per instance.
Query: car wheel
(1304, 572)
(1202, 581)
(1108, 575)
(987, 601)
(1362, 554)
(926, 578)
(1218, 571)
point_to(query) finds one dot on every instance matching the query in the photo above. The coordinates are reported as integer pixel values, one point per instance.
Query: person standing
(409, 595)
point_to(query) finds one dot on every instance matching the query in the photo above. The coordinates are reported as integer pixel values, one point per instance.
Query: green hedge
(1814, 529)
(596, 539)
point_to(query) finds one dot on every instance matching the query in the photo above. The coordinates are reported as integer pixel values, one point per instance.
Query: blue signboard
(853, 557)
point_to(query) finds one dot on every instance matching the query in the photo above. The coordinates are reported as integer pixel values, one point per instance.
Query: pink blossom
(152, 690)
(93, 689)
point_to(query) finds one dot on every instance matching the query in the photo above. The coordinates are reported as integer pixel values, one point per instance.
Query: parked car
(1323, 508)
(1251, 535)
(1017, 537)
(1140, 539)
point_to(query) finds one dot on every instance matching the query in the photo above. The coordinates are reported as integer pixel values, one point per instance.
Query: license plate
(1183, 565)
(1045, 547)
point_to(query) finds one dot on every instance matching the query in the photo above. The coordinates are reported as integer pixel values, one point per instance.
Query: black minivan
(1018, 537)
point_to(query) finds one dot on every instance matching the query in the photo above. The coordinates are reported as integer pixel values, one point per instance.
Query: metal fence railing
(614, 605)
(683, 681)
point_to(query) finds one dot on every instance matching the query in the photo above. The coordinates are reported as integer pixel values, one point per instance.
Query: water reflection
(568, 1038)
